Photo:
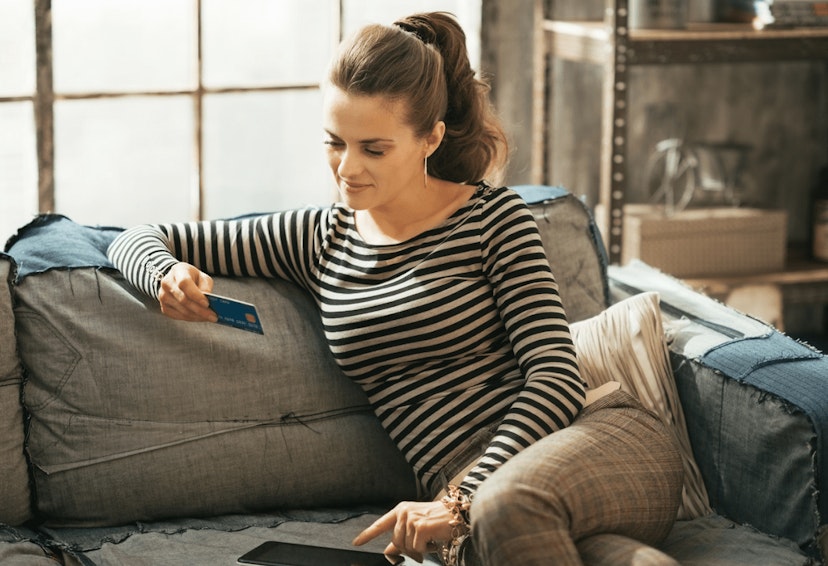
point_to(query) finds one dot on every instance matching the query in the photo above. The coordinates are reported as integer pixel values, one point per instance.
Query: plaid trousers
(598, 492)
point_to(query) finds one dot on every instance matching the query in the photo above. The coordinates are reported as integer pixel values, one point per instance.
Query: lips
(353, 187)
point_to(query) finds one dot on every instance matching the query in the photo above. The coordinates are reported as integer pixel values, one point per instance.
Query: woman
(437, 298)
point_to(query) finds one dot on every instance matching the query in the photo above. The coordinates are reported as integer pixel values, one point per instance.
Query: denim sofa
(128, 438)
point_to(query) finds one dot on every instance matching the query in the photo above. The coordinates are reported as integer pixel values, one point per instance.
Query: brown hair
(423, 60)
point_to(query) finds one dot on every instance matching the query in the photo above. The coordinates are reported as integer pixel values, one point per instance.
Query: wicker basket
(705, 241)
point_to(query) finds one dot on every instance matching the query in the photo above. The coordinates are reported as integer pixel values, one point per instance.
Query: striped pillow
(626, 343)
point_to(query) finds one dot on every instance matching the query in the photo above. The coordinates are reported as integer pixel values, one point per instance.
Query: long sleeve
(276, 245)
(527, 297)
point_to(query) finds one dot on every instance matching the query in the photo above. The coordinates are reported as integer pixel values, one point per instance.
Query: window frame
(43, 101)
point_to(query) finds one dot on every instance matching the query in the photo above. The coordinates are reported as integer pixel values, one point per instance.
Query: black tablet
(289, 554)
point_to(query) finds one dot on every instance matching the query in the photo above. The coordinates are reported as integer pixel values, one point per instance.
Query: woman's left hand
(415, 527)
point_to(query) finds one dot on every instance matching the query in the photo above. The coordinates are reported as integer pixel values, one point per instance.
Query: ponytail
(423, 60)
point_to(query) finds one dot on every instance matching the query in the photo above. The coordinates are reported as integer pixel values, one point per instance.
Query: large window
(126, 111)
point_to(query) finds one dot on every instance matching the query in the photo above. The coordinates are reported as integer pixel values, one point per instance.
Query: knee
(517, 522)
(507, 503)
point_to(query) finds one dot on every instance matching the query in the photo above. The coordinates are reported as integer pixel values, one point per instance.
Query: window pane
(18, 167)
(262, 42)
(17, 51)
(128, 45)
(124, 161)
(264, 152)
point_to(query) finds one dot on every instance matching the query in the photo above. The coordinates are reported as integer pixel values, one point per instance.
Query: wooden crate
(705, 241)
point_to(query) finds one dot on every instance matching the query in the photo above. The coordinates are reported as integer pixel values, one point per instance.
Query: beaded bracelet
(458, 504)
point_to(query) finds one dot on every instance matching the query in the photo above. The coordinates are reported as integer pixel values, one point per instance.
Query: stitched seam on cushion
(70, 368)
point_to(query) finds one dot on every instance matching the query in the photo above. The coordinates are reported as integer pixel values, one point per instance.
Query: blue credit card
(237, 314)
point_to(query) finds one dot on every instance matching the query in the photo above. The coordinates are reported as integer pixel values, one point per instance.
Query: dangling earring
(425, 172)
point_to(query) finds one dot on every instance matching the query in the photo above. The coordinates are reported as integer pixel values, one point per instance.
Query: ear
(435, 137)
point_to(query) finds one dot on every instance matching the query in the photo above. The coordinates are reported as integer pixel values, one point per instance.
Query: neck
(399, 221)
(422, 210)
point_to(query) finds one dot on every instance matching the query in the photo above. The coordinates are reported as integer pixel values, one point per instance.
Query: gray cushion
(135, 416)
(187, 544)
(15, 507)
(574, 249)
(24, 554)
(716, 540)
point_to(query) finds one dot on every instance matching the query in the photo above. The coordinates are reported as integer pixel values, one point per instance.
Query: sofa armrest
(756, 405)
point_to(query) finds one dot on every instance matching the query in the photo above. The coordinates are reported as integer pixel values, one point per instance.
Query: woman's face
(375, 156)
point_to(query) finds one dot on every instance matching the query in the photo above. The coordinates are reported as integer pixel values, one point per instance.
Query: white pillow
(625, 343)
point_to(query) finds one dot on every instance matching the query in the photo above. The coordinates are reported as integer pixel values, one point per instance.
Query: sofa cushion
(757, 409)
(626, 343)
(715, 540)
(573, 246)
(135, 416)
(24, 553)
(216, 541)
(756, 453)
(15, 505)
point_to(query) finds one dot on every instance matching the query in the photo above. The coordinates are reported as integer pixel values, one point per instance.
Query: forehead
(361, 116)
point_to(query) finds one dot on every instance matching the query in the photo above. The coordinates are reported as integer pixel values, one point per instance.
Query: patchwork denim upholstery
(753, 448)
(757, 403)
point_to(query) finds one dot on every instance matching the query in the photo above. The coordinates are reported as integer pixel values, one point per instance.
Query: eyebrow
(365, 141)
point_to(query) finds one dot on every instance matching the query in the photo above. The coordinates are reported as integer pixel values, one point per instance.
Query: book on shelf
(792, 13)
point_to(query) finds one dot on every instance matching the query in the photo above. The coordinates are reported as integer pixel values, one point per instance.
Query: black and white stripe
(457, 329)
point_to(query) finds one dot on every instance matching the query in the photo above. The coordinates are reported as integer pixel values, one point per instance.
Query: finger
(406, 536)
(196, 300)
(192, 292)
(392, 550)
(177, 311)
(173, 307)
(416, 539)
(400, 536)
(181, 294)
(381, 525)
(205, 282)
(422, 543)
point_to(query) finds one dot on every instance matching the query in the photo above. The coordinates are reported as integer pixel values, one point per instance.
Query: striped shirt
(455, 330)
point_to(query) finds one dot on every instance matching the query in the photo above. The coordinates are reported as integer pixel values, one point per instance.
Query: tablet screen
(289, 554)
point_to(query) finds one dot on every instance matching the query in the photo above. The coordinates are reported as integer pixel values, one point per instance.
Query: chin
(352, 202)
(356, 199)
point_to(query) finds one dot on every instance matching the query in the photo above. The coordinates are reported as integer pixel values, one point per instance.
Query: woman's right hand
(182, 294)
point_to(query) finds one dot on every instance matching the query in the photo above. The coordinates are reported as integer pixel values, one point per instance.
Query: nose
(350, 164)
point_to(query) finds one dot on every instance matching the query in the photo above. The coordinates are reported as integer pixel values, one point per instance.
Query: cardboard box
(705, 242)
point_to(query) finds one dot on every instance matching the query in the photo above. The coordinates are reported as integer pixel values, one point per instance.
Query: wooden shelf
(804, 280)
(696, 44)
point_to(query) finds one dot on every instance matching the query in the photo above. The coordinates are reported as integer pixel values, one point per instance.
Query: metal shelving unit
(613, 45)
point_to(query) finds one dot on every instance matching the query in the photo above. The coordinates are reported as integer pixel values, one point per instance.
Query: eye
(332, 143)
(374, 152)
